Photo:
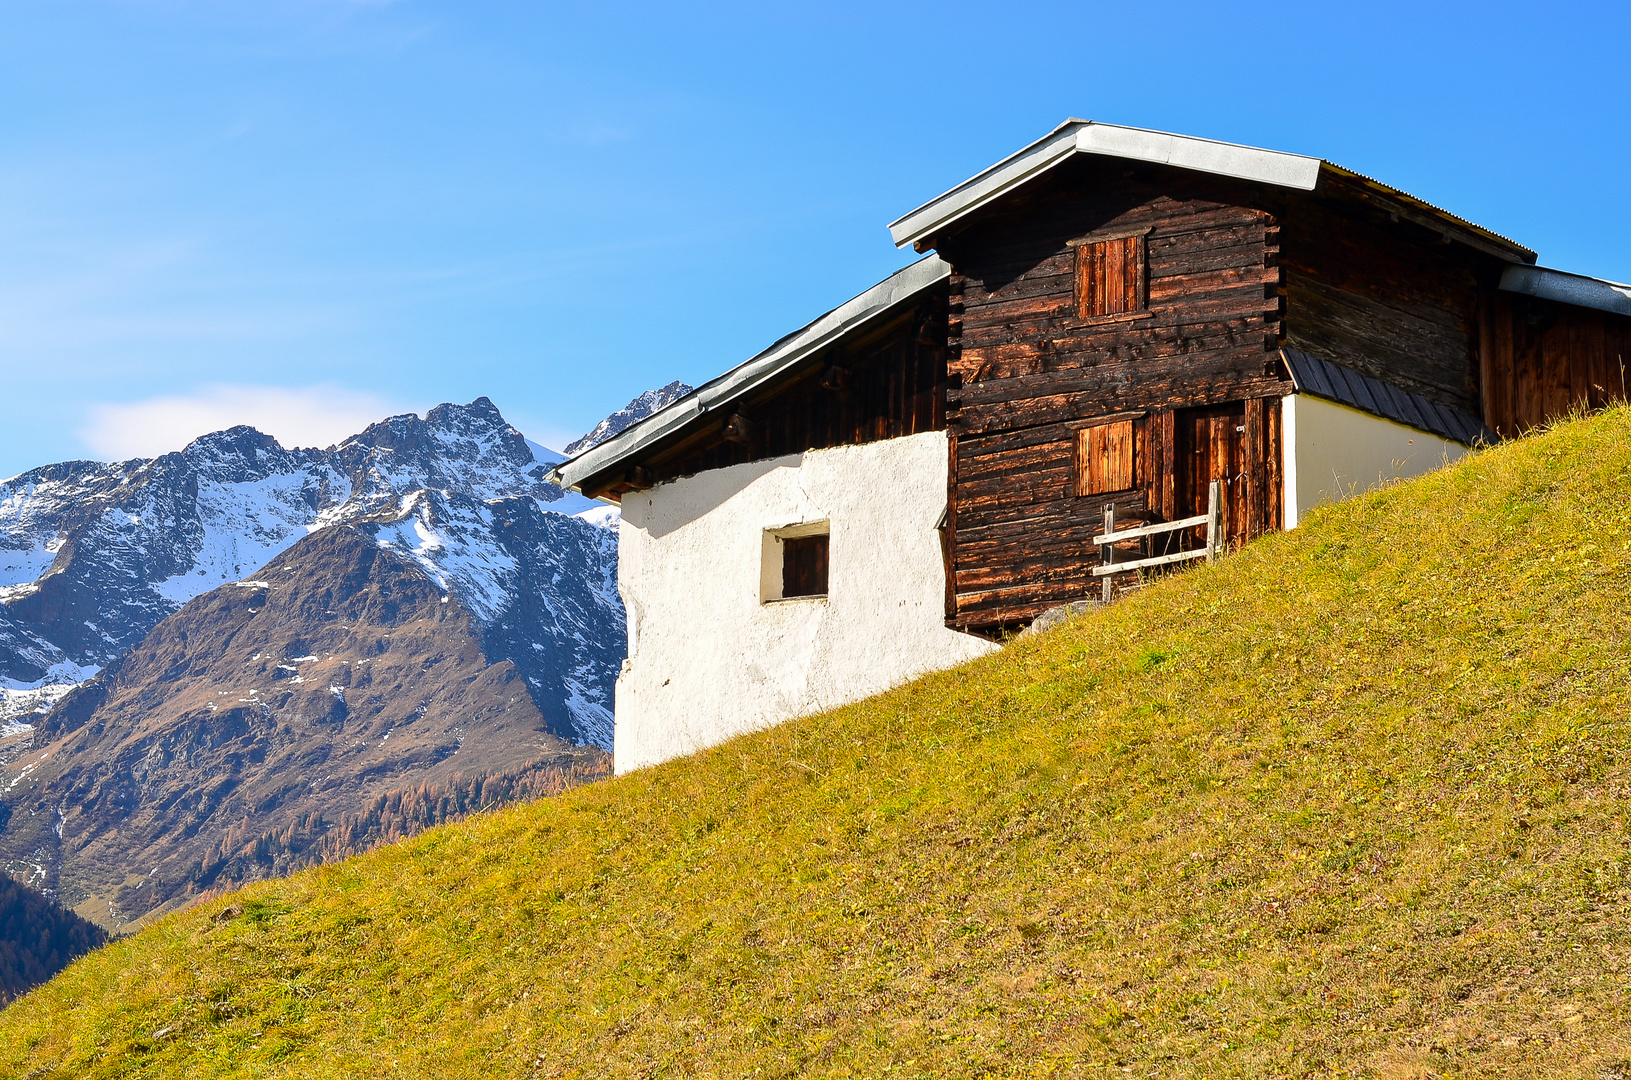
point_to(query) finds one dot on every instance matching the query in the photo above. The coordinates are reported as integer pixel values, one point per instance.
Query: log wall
(1026, 371)
(1384, 297)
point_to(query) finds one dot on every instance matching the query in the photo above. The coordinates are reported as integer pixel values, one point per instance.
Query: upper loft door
(1239, 444)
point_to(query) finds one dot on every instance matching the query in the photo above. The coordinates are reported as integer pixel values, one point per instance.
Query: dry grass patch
(1351, 803)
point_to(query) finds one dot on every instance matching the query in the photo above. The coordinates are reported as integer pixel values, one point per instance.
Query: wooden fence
(1212, 519)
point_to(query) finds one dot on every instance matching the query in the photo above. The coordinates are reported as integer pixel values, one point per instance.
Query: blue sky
(310, 213)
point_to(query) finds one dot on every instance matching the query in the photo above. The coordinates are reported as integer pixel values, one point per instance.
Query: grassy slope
(1351, 802)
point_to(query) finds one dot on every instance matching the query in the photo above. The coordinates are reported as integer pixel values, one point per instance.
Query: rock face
(337, 697)
(542, 588)
(93, 556)
(636, 410)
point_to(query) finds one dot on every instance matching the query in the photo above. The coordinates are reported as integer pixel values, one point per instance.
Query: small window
(1109, 276)
(795, 563)
(1104, 458)
(804, 566)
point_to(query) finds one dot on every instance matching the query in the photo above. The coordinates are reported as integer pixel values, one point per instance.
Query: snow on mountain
(636, 410)
(570, 502)
(93, 555)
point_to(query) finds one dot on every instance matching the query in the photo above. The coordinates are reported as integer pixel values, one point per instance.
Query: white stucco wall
(709, 660)
(1333, 451)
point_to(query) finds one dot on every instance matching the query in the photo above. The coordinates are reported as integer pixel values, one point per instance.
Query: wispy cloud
(319, 415)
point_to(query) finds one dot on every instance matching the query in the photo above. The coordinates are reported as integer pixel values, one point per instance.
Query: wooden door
(1211, 445)
(1239, 444)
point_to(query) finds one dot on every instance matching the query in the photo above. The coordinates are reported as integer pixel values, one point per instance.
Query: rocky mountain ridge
(243, 729)
(238, 659)
(635, 411)
(93, 555)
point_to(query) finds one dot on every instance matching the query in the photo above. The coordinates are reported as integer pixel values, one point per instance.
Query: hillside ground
(1350, 803)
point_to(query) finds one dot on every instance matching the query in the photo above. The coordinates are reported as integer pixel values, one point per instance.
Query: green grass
(1352, 802)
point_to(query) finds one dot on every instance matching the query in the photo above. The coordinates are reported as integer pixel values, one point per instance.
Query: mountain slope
(1351, 802)
(92, 556)
(37, 938)
(542, 587)
(231, 739)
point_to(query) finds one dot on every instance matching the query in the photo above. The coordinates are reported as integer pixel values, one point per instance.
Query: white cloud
(320, 415)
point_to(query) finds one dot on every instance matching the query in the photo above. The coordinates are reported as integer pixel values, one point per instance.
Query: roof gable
(1294, 171)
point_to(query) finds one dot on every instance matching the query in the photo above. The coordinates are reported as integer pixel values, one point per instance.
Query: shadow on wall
(705, 494)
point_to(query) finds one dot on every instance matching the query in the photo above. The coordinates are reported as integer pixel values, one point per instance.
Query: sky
(309, 214)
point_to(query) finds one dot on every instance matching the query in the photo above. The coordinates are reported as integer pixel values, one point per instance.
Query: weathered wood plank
(1033, 369)
(1157, 382)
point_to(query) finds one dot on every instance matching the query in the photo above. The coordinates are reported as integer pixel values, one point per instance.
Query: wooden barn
(1113, 319)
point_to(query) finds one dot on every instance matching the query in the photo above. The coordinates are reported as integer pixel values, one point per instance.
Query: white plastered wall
(1333, 452)
(709, 660)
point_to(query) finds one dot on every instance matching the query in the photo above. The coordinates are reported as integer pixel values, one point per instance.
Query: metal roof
(1568, 288)
(1349, 387)
(710, 397)
(1075, 136)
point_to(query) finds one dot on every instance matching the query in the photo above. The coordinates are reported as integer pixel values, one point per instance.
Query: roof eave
(1440, 220)
(1566, 288)
(743, 379)
(1296, 171)
(987, 184)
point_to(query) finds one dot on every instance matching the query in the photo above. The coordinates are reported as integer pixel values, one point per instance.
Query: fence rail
(1212, 519)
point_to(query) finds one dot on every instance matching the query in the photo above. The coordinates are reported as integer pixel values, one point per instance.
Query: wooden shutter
(804, 566)
(1104, 458)
(1109, 276)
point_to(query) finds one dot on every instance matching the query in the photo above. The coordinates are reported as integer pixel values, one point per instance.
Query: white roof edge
(1201, 155)
(987, 184)
(901, 285)
(1110, 140)
(1567, 288)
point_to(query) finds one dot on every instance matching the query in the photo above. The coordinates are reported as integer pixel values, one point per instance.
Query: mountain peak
(235, 454)
(481, 411)
(641, 407)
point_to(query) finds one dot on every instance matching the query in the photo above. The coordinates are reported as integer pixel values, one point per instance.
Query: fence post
(1214, 519)
(1108, 552)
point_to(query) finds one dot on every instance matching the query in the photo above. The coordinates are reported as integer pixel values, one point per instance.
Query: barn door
(1211, 445)
(1239, 444)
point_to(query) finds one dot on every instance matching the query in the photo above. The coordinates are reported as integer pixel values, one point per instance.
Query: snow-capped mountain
(636, 410)
(339, 697)
(93, 555)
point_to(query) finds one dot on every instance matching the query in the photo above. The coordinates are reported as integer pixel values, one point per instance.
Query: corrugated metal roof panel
(1348, 387)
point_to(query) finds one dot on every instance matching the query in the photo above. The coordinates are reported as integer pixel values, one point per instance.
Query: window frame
(1085, 246)
(772, 572)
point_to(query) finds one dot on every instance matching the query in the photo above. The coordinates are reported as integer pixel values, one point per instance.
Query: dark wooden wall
(883, 383)
(1026, 372)
(1543, 358)
(1386, 298)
